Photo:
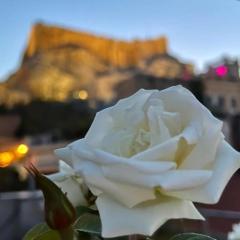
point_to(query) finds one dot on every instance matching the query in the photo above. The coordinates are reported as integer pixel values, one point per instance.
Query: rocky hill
(58, 63)
(111, 51)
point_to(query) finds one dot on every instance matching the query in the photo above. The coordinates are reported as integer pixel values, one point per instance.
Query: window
(221, 101)
(208, 101)
(233, 103)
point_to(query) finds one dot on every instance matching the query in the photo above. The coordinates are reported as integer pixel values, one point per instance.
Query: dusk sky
(198, 30)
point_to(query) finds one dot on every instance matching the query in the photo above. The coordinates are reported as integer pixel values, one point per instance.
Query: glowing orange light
(82, 94)
(22, 149)
(6, 159)
(12, 155)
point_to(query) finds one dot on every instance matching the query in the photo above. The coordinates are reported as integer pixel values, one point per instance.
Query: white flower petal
(192, 132)
(70, 183)
(73, 190)
(173, 122)
(205, 149)
(59, 176)
(226, 163)
(102, 123)
(118, 115)
(162, 152)
(118, 220)
(169, 180)
(83, 162)
(118, 142)
(165, 151)
(131, 105)
(64, 154)
(184, 179)
(108, 159)
(96, 181)
(158, 131)
(82, 149)
(65, 168)
(180, 99)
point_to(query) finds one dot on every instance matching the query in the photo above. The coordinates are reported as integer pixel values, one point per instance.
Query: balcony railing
(22, 210)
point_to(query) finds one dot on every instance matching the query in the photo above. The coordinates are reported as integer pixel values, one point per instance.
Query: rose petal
(126, 110)
(158, 131)
(180, 99)
(162, 152)
(145, 174)
(118, 220)
(169, 180)
(96, 181)
(128, 119)
(101, 124)
(69, 183)
(80, 153)
(65, 171)
(226, 163)
(79, 147)
(83, 151)
(108, 159)
(129, 112)
(173, 122)
(127, 105)
(64, 154)
(192, 132)
(65, 168)
(202, 154)
(184, 179)
(73, 190)
(167, 150)
(57, 176)
(118, 143)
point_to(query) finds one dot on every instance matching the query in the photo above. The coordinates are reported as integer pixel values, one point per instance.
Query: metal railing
(21, 210)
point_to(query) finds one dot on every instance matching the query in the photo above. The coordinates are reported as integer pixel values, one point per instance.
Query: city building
(222, 86)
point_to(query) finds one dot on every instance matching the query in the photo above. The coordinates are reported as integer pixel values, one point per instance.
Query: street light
(13, 155)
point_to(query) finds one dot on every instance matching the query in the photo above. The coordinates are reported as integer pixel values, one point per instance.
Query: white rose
(149, 156)
(71, 184)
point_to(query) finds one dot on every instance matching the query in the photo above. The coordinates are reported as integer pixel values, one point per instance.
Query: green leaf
(36, 231)
(50, 235)
(120, 238)
(191, 236)
(87, 236)
(88, 223)
(81, 210)
(41, 231)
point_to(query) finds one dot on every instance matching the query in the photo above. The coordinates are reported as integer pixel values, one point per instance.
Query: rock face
(58, 63)
(113, 52)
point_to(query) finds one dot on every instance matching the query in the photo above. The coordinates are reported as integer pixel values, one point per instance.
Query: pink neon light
(221, 71)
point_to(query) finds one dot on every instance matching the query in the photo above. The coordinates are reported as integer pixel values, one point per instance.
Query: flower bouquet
(143, 161)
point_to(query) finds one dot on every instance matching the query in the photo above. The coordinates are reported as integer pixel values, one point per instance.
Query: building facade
(222, 86)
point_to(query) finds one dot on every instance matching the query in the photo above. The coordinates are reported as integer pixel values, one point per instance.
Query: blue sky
(198, 30)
